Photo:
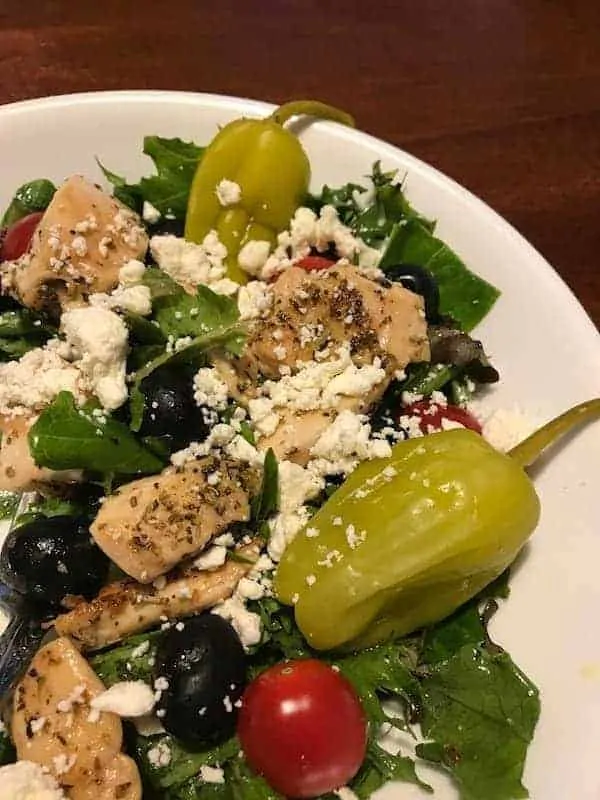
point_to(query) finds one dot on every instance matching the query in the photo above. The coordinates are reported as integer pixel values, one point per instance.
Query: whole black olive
(171, 414)
(51, 557)
(420, 281)
(203, 672)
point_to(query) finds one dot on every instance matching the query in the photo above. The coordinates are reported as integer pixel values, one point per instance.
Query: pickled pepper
(407, 540)
(269, 165)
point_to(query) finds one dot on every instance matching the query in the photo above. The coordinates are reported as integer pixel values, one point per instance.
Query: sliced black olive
(170, 411)
(204, 667)
(420, 281)
(51, 557)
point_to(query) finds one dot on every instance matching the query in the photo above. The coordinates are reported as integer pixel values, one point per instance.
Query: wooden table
(503, 95)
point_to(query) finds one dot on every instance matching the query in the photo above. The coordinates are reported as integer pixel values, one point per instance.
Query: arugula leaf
(20, 331)
(464, 296)
(67, 437)
(266, 502)
(380, 767)
(245, 784)
(111, 665)
(168, 190)
(480, 712)
(210, 319)
(183, 764)
(33, 196)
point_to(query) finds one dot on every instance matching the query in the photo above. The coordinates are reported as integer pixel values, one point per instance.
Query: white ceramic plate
(546, 348)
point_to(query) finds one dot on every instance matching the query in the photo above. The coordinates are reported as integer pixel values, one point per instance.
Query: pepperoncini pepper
(272, 170)
(407, 540)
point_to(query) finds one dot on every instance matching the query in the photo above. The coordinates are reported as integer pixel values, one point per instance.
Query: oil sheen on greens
(476, 709)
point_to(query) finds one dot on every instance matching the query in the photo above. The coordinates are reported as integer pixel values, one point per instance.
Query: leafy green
(183, 764)
(33, 196)
(266, 502)
(7, 751)
(380, 767)
(67, 437)
(9, 502)
(119, 663)
(168, 190)
(479, 713)
(209, 319)
(464, 296)
(78, 505)
(20, 331)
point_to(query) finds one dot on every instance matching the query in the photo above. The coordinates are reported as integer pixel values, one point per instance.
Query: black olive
(171, 414)
(51, 557)
(420, 281)
(205, 666)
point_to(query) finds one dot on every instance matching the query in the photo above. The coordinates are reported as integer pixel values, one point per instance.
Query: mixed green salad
(264, 525)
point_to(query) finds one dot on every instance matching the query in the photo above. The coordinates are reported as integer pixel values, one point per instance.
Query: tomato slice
(432, 415)
(302, 727)
(314, 263)
(17, 237)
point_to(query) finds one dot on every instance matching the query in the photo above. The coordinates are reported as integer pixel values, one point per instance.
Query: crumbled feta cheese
(209, 389)
(32, 382)
(212, 558)
(211, 774)
(345, 442)
(246, 623)
(150, 214)
(505, 428)
(159, 755)
(228, 192)
(97, 339)
(26, 780)
(250, 590)
(127, 699)
(132, 272)
(190, 264)
(254, 300)
(136, 299)
(253, 256)
(141, 649)
(296, 486)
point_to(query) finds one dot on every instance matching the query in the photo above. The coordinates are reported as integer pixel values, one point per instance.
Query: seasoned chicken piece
(316, 310)
(82, 241)
(18, 471)
(149, 525)
(126, 607)
(54, 726)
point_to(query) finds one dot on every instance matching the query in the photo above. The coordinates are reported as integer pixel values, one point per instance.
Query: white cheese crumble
(26, 780)
(297, 485)
(253, 256)
(505, 428)
(160, 755)
(254, 300)
(346, 442)
(97, 340)
(191, 264)
(211, 774)
(345, 793)
(32, 382)
(150, 213)
(228, 192)
(212, 558)
(209, 389)
(246, 623)
(127, 699)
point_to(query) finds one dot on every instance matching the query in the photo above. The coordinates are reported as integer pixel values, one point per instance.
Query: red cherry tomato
(302, 727)
(431, 416)
(314, 263)
(17, 238)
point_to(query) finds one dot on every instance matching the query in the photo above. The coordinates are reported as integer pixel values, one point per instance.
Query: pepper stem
(527, 452)
(311, 108)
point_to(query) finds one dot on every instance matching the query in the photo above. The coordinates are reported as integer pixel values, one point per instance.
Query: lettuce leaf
(33, 196)
(168, 190)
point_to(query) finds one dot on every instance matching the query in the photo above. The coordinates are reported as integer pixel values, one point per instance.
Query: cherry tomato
(432, 415)
(17, 238)
(302, 727)
(314, 263)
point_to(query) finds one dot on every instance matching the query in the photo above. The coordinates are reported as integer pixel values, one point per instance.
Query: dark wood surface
(503, 95)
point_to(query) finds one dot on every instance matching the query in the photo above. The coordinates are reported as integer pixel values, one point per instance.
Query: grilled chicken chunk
(315, 310)
(148, 526)
(82, 241)
(54, 726)
(127, 607)
(18, 471)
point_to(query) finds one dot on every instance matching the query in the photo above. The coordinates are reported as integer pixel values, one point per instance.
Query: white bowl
(546, 348)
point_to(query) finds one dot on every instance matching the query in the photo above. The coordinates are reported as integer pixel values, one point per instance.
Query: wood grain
(503, 95)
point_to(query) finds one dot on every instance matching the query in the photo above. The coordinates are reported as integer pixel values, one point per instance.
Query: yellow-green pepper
(407, 540)
(272, 170)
